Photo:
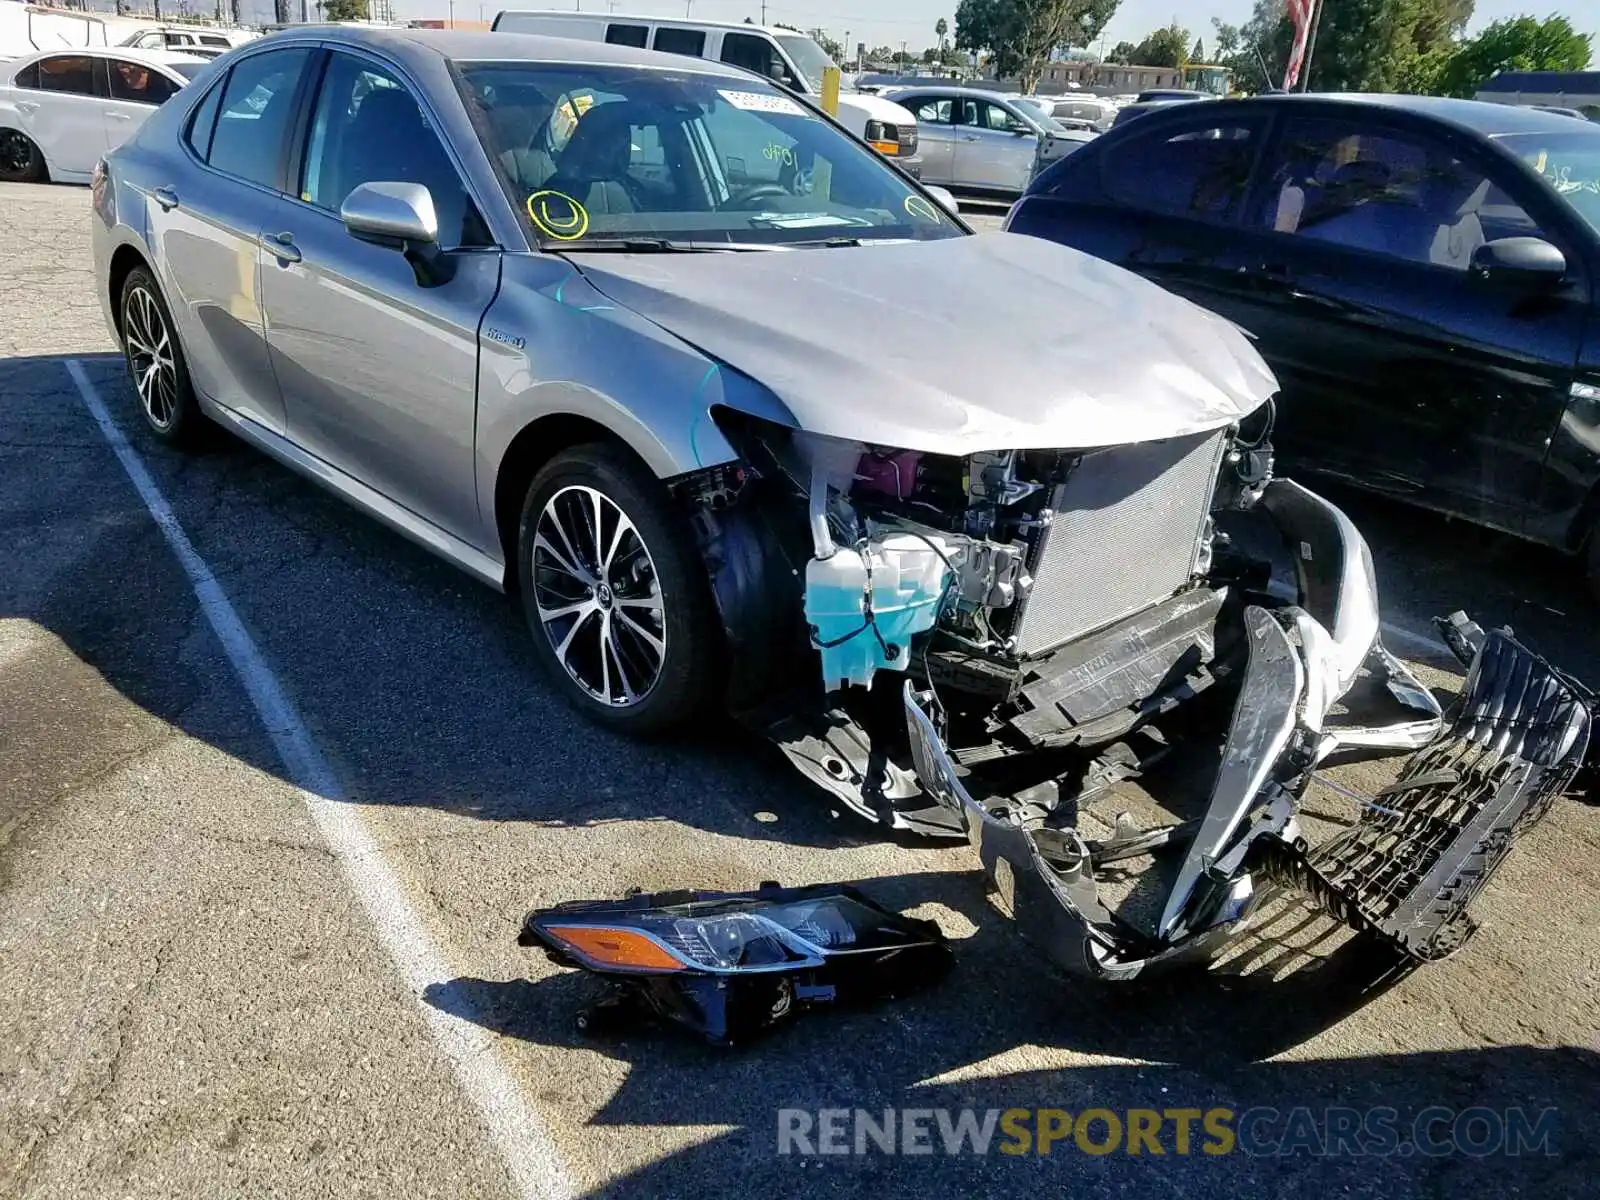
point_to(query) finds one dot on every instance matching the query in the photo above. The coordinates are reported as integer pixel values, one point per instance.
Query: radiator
(1128, 522)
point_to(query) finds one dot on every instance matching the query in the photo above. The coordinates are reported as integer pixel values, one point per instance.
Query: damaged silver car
(969, 526)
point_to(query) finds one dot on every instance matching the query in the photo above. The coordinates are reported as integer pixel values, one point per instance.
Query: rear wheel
(156, 363)
(616, 592)
(20, 159)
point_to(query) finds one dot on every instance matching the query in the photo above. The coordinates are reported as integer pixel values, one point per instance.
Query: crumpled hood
(992, 342)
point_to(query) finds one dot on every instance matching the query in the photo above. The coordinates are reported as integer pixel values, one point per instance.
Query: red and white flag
(1300, 12)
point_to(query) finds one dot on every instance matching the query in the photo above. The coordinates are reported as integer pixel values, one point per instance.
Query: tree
(1519, 44)
(941, 28)
(1167, 47)
(1122, 53)
(1225, 38)
(1198, 54)
(344, 10)
(829, 47)
(1020, 35)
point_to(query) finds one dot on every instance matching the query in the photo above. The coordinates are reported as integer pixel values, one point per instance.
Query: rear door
(63, 117)
(378, 367)
(990, 152)
(937, 134)
(206, 221)
(134, 91)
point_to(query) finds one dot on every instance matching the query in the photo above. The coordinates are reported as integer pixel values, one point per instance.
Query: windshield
(589, 154)
(1569, 165)
(811, 59)
(188, 69)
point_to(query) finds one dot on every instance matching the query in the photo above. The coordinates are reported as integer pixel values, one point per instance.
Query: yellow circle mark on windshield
(920, 206)
(558, 215)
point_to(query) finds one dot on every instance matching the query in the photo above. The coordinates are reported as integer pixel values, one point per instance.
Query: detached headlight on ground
(730, 964)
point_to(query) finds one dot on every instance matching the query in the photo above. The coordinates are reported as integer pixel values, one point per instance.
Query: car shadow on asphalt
(1204, 1039)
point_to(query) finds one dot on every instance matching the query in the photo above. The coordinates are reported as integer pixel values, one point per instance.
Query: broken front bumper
(1407, 871)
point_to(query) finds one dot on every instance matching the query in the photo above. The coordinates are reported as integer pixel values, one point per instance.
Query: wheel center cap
(603, 594)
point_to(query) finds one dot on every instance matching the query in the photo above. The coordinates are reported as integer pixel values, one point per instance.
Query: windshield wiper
(656, 245)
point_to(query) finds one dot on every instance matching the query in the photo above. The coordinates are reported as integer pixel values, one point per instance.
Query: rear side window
(681, 41)
(204, 121)
(627, 35)
(1201, 173)
(257, 108)
(28, 77)
(69, 73)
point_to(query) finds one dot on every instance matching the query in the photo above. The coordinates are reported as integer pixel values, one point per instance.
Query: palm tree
(940, 28)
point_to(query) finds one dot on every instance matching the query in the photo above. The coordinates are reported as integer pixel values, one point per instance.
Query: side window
(1385, 192)
(28, 77)
(1200, 173)
(367, 128)
(932, 111)
(68, 73)
(257, 110)
(748, 51)
(627, 35)
(137, 83)
(211, 39)
(680, 41)
(992, 116)
(204, 121)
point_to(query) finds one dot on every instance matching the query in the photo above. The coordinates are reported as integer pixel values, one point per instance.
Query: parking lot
(216, 980)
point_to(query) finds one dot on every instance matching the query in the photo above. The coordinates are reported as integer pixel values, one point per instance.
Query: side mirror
(400, 216)
(1525, 262)
(1018, 128)
(945, 199)
(391, 214)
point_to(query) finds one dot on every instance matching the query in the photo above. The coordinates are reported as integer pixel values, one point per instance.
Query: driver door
(987, 153)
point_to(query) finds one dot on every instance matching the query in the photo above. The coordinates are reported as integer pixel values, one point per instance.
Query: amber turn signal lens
(615, 947)
(890, 148)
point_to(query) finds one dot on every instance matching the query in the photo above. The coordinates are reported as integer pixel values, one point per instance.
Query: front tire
(20, 160)
(156, 364)
(616, 593)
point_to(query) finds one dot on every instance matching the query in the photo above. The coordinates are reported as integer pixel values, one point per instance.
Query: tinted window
(204, 121)
(257, 107)
(627, 35)
(1196, 173)
(138, 83)
(750, 52)
(368, 128)
(681, 41)
(1384, 192)
(69, 73)
(28, 77)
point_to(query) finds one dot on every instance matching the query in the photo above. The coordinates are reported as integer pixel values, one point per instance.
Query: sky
(890, 22)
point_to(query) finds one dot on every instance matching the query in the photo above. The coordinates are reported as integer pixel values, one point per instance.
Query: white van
(782, 55)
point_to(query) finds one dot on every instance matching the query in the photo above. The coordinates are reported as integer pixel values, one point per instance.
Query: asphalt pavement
(273, 955)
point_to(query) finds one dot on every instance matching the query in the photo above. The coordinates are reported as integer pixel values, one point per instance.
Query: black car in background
(1419, 272)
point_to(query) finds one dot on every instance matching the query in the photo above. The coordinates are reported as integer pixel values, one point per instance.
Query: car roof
(470, 46)
(686, 22)
(958, 90)
(1480, 117)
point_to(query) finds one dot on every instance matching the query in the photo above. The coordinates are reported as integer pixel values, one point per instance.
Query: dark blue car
(1419, 272)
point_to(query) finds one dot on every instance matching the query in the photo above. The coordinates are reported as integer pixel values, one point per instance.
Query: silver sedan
(984, 142)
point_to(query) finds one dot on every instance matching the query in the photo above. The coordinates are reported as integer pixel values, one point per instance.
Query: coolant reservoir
(900, 577)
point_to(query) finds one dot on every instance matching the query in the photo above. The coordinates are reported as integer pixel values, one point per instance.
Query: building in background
(1556, 89)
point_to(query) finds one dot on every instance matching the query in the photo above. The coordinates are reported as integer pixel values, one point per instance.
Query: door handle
(116, 116)
(166, 197)
(282, 247)
(969, 137)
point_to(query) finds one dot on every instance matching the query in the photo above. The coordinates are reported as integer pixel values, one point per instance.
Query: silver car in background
(982, 142)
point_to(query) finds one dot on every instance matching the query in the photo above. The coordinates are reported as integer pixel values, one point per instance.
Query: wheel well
(123, 262)
(528, 452)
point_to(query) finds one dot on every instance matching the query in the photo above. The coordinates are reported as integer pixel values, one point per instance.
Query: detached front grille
(1127, 526)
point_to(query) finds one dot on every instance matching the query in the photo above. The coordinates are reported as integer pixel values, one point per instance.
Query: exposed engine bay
(987, 646)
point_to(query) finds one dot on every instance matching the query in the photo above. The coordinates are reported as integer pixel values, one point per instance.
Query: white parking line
(516, 1130)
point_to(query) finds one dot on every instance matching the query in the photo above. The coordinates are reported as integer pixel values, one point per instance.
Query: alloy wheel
(149, 343)
(16, 155)
(598, 598)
